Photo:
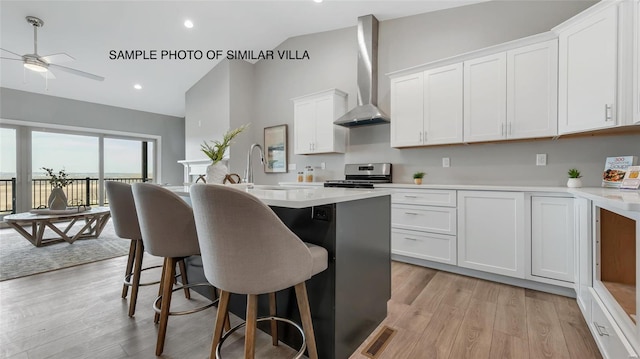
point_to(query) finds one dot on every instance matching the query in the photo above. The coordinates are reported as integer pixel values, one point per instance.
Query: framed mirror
(275, 145)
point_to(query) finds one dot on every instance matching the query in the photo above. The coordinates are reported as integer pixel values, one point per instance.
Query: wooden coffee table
(95, 219)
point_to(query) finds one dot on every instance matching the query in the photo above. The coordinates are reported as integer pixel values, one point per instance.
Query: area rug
(19, 258)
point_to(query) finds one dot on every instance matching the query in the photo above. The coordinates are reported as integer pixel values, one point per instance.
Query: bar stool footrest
(127, 278)
(263, 319)
(189, 311)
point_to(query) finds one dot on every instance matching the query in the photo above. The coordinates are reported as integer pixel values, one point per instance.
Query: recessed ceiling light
(137, 86)
(317, 1)
(188, 24)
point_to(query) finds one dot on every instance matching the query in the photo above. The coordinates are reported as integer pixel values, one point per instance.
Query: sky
(74, 153)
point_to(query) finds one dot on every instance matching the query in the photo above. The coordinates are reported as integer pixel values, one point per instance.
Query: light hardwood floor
(78, 313)
(444, 315)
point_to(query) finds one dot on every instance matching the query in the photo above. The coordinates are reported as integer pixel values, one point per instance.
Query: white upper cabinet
(588, 59)
(485, 98)
(426, 107)
(407, 110)
(443, 105)
(532, 91)
(313, 116)
(636, 62)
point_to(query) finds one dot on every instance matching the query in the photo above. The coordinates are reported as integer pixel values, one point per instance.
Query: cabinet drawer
(607, 334)
(425, 197)
(428, 246)
(424, 218)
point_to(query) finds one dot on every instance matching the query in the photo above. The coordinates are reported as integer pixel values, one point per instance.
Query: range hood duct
(366, 113)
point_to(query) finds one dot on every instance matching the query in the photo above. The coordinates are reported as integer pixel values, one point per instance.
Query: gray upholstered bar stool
(168, 230)
(125, 224)
(246, 249)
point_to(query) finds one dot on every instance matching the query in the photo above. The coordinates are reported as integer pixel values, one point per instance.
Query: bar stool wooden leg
(156, 316)
(132, 251)
(250, 334)
(167, 289)
(305, 317)
(135, 280)
(274, 323)
(222, 318)
(183, 275)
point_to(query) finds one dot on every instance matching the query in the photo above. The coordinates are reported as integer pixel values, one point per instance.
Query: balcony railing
(81, 191)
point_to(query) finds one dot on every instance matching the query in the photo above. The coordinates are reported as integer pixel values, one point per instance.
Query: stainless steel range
(363, 175)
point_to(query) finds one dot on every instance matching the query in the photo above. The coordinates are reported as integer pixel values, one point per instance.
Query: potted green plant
(57, 199)
(215, 151)
(417, 177)
(574, 180)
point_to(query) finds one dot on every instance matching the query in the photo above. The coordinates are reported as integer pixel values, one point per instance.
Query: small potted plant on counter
(417, 177)
(574, 178)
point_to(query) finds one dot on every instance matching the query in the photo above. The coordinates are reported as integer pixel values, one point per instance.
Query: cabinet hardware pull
(502, 129)
(412, 213)
(411, 239)
(425, 136)
(607, 112)
(420, 136)
(509, 128)
(602, 331)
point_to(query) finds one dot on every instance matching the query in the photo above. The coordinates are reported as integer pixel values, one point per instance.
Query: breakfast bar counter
(349, 299)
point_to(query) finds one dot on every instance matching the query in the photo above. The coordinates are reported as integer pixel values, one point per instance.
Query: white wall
(31, 107)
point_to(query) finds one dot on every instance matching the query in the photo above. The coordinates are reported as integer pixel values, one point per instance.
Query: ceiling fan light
(35, 67)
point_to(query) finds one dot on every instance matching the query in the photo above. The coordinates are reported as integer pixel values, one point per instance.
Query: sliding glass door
(8, 170)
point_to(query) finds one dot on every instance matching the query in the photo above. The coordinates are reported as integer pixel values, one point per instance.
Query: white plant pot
(574, 183)
(216, 172)
(57, 199)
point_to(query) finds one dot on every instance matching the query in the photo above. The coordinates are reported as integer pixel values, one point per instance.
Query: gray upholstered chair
(168, 231)
(246, 249)
(125, 224)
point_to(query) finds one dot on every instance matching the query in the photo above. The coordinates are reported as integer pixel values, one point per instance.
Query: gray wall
(412, 41)
(30, 107)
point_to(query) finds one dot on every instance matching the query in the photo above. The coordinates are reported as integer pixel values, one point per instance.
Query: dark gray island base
(349, 299)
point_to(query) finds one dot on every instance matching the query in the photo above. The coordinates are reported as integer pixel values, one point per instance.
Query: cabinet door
(552, 238)
(588, 73)
(304, 122)
(485, 98)
(443, 105)
(407, 110)
(324, 125)
(491, 232)
(532, 91)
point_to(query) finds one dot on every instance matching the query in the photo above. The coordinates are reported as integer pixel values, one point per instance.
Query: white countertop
(628, 200)
(301, 197)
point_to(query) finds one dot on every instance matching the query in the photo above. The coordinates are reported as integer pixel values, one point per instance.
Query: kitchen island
(349, 299)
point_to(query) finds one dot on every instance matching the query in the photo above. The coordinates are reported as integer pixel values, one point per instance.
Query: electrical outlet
(292, 166)
(323, 165)
(541, 159)
(446, 162)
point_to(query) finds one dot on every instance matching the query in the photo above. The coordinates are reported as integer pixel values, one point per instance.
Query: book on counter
(631, 178)
(615, 168)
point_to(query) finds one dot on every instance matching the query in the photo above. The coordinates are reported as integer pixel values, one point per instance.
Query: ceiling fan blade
(48, 75)
(77, 72)
(10, 58)
(11, 52)
(57, 58)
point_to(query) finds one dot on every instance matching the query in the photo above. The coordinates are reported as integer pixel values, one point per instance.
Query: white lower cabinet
(610, 339)
(424, 225)
(491, 232)
(552, 238)
(584, 255)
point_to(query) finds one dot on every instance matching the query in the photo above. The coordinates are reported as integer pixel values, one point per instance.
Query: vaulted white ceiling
(89, 30)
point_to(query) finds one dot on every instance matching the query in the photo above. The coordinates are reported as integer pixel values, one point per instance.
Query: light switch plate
(446, 162)
(292, 166)
(541, 159)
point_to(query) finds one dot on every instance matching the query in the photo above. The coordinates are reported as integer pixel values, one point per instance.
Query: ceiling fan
(44, 64)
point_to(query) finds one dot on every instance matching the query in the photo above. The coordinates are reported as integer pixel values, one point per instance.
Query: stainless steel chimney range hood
(366, 113)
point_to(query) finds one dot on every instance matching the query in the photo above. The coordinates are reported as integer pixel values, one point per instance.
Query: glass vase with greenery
(216, 149)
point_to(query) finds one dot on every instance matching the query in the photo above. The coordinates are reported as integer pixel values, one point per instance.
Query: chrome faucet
(249, 171)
